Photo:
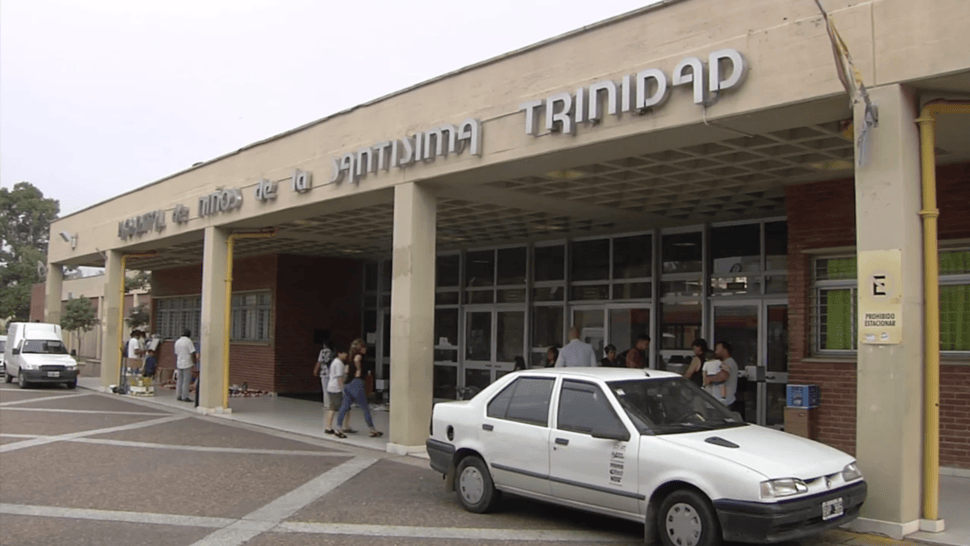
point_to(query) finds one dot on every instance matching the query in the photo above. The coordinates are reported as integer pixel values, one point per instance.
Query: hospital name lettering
(154, 220)
(439, 141)
(880, 319)
(636, 93)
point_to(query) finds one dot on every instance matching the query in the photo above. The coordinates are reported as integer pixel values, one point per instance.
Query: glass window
(836, 316)
(447, 270)
(584, 407)
(446, 298)
(388, 274)
(446, 327)
(827, 269)
(736, 249)
(590, 292)
(590, 260)
(530, 400)
(510, 335)
(510, 295)
(445, 382)
(499, 405)
(511, 266)
(548, 293)
(955, 318)
(547, 329)
(682, 252)
(632, 291)
(370, 276)
(680, 325)
(776, 246)
(480, 296)
(632, 257)
(480, 268)
(549, 263)
(627, 325)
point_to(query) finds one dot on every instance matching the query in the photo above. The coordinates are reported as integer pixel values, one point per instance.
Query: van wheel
(474, 486)
(8, 378)
(21, 380)
(686, 518)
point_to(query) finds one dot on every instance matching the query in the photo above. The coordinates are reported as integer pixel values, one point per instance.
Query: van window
(44, 346)
(3, 344)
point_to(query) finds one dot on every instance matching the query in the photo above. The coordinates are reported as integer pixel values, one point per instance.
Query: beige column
(111, 333)
(52, 293)
(412, 317)
(213, 334)
(890, 378)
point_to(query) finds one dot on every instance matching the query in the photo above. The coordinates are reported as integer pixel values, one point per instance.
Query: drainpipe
(931, 295)
(227, 317)
(121, 306)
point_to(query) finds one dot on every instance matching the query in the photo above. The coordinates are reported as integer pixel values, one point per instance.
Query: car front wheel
(474, 486)
(686, 518)
(8, 378)
(21, 380)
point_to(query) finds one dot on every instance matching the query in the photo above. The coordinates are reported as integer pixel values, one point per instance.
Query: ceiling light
(833, 165)
(566, 175)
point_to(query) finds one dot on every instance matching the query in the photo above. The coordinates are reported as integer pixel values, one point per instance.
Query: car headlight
(851, 472)
(783, 487)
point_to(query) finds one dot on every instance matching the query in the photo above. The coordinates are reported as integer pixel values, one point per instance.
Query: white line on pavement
(265, 518)
(459, 533)
(246, 451)
(6, 448)
(106, 412)
(57, 397)
(113, 515)
(7, 435)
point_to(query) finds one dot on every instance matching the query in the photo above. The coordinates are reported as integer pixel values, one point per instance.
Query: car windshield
(671, 405)
(44, 346)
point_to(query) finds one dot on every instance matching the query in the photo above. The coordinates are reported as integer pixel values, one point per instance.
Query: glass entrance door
(493, 338)
(758, 332)
(619, 326)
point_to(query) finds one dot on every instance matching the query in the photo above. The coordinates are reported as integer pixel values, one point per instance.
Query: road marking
(458, 533)
(245, 451)
(7, 435)
(6, 448)
(104, 412)
(113, 515)
(266, 518)
(57, 397)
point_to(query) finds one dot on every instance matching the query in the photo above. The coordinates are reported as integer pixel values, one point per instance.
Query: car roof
(604, 374)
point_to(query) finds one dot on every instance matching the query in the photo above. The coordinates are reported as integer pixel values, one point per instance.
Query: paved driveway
(81, 468)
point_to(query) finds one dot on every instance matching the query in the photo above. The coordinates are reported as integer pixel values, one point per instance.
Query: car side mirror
(737, 416)
(611, 433)
(15, 351)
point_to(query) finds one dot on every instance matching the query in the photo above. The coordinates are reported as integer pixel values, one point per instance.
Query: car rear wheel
(21, 380)
(473, 485)
(686, 518)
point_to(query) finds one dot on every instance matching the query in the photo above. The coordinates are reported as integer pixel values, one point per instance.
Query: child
(150, 364)
(712, 367)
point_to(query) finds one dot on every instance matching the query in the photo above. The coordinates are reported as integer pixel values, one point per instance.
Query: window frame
(514, 386)
(563, 386)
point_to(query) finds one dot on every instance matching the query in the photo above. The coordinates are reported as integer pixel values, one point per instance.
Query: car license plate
(53, 374)
(832, 509)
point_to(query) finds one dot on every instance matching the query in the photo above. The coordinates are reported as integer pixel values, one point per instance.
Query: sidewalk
(307, 418)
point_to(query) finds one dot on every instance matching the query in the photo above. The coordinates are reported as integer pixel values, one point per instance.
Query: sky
(100, 97)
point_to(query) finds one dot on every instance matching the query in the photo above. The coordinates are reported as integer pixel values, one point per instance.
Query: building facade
(671, 171)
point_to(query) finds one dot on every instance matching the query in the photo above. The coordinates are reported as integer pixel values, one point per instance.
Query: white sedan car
(643, 445)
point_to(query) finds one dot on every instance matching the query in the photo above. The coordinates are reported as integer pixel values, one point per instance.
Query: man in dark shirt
(636, 356)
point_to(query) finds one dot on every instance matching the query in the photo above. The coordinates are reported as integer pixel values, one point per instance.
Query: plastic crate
(802, 396)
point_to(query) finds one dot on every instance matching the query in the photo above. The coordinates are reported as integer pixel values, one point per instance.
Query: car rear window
(526, 400)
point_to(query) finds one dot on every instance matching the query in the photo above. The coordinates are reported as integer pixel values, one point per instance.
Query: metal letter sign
(723, 70)
(880, 297)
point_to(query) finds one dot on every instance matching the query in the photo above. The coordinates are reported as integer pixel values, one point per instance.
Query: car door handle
(487, 427)
(562, 441)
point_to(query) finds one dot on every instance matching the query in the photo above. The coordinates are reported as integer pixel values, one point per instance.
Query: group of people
(578, 353)
(715, 371)
(140, 355)
(341, 376)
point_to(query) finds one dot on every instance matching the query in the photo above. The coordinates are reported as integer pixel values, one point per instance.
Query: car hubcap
(471, 484)
(683, 525)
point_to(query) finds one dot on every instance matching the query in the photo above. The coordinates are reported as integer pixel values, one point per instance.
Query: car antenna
(646, 373)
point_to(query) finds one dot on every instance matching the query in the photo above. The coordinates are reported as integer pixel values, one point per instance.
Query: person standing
(322, 370)
(576, 353)
(354, 390)
(635, 356)
(185, 359)
(728, 374)
(334, 390)
(134, 352)
(610, 361)
(693, 371)
(552, 354)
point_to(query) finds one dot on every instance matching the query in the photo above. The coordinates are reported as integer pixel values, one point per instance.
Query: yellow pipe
(227, 316)
(931, 295)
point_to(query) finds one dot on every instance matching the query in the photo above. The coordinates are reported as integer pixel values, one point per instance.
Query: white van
(34, 353)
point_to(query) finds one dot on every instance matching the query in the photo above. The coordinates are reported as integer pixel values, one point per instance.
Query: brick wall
(308, 293)
(321, 293)
(822, 215)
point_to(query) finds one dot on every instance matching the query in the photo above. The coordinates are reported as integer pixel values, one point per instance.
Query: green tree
(138, 316)
(139, 281)
(25, 219)
(79, 317)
